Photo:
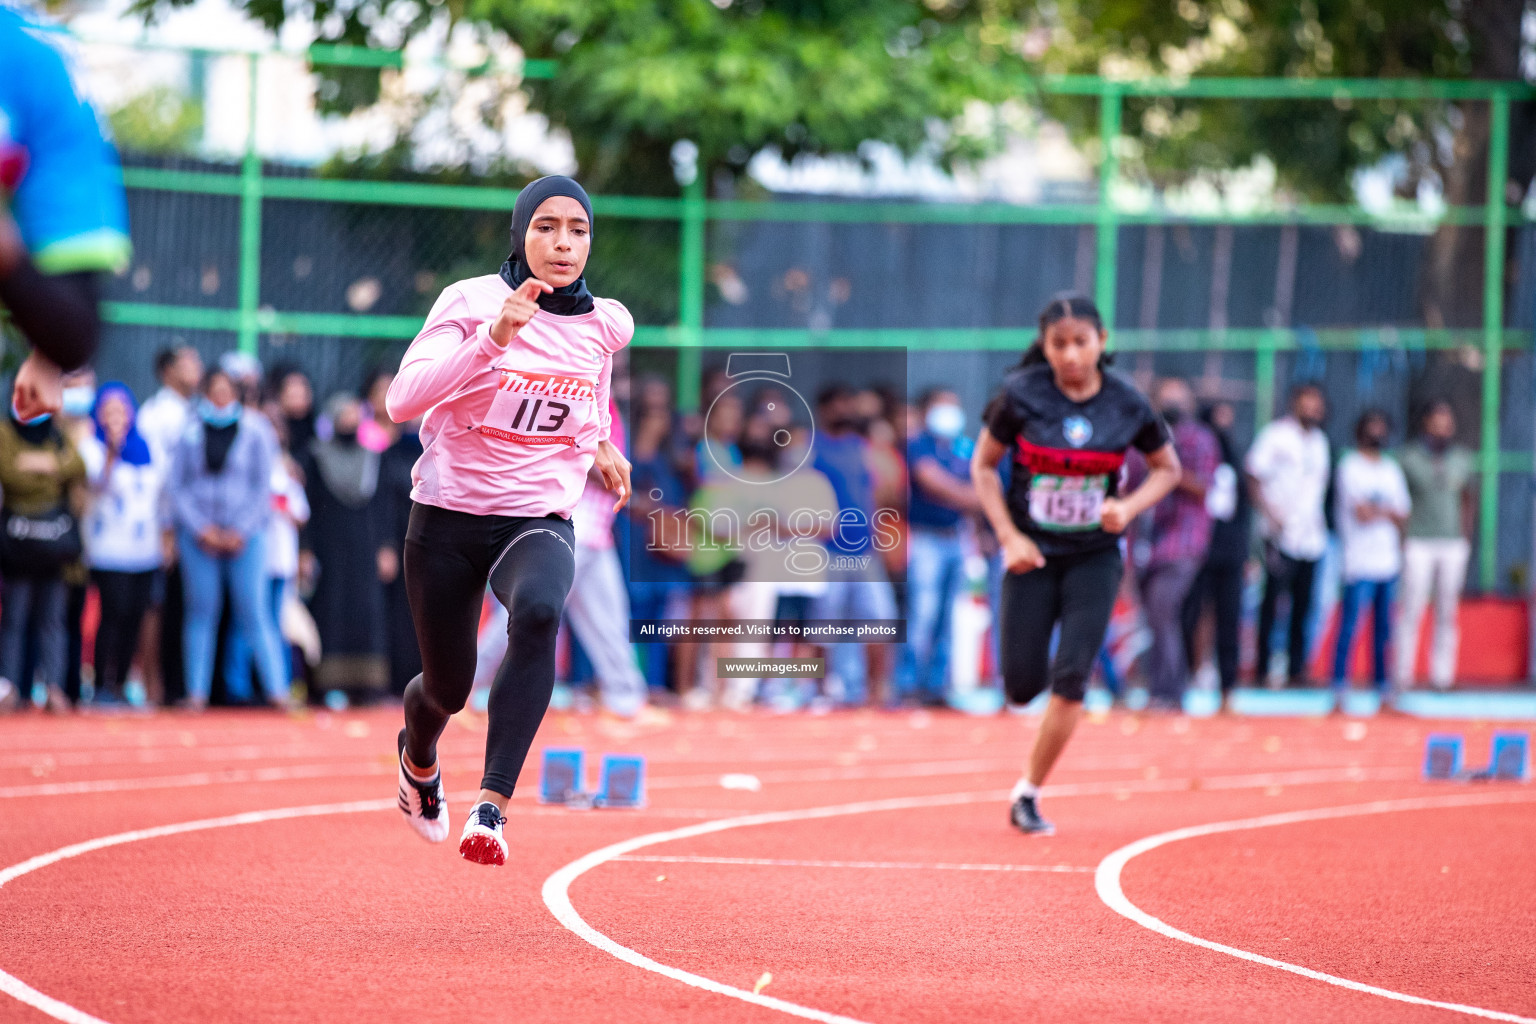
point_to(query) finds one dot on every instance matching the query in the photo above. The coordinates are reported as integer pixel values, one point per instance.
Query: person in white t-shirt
(164, 418)
(1372, 508)
(121, 532)
(1288, 478)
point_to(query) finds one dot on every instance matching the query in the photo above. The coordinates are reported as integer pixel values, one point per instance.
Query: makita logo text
(548, 384)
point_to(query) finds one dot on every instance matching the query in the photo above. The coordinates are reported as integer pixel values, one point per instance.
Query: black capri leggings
(1078, 590)
(449, 556)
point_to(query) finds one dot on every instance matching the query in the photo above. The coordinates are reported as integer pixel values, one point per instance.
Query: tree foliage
(805, 76)
(1316, 145)
(730, 76)
(159, 120)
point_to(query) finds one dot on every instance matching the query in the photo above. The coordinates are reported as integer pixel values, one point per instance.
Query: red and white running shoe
(482, 840)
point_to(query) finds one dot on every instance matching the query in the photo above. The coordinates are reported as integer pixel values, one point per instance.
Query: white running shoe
(424, 804)
(482, 841)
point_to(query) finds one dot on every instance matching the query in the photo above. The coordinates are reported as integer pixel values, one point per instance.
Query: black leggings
(449, 556)
(124, 599)
(1223, 583)
(1077, 590)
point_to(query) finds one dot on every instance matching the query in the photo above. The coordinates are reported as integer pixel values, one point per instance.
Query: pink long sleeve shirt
(507, 431)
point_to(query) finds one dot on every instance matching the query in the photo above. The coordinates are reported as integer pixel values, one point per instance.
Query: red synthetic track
(352, 917)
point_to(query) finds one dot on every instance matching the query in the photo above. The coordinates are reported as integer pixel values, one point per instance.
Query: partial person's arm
(98, 460)
(1256, 468)
(1469, 507)
(1401, 502)
(57, 313)
(298, 502)
(452, 347)
(1020, 554)
(1163, 473)
(71, 466)
(186, 513)
(257, 510)
(1200, 471)
(951, 490)
(610, 463)
(602, 401)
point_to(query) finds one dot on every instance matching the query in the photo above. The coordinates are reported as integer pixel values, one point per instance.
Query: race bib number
(539, 408)
(1067, 502)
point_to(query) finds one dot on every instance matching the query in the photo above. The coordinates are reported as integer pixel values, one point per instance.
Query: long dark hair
(1067, 304)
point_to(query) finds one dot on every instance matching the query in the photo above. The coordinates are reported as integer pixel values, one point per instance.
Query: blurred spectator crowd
(226, 540)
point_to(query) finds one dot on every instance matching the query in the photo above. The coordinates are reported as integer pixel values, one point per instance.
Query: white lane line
(557, 897)
(319, 771)
(228, 776)
(1107, 882)
(557, 889)
(1054, 869)
(160, 755)
(851, 772)
(21, 991)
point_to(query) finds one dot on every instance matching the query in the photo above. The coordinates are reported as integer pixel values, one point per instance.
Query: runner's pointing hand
(517, 310)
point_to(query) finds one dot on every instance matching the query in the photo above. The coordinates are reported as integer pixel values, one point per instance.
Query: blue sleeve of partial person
(70, 206)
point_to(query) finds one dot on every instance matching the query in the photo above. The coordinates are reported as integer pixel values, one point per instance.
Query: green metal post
(690, 300)
(1493, 337)
(1264, 381)
(1108, 223)
(250, 223)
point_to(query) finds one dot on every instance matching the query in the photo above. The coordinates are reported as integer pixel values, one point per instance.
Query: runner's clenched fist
(517, 310)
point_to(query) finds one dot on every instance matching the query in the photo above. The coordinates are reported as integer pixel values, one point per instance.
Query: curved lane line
(1107, 882)
(20, 990)
(557, 885)
(557, 895)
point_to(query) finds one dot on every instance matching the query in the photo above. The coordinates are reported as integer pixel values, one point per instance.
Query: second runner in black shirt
(1067, 454)
(1065, 423)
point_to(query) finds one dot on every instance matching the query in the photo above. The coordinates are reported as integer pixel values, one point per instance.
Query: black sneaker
(1025, 816)
(482, 841)
(424, 804)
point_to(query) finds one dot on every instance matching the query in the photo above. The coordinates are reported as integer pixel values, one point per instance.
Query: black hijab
(217, 441)
(573, 299)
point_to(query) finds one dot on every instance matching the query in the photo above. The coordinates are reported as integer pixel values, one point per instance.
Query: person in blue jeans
(221, 500)
(1373, 506)
(857, 588)
(290, 511)
(941, 496)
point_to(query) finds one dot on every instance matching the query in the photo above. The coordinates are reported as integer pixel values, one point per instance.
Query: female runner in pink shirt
(512, 373)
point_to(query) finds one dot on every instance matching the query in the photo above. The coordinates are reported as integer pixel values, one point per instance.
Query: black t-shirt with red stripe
(1067, 455)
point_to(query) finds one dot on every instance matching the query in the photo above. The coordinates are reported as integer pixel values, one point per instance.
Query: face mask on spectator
(218, 416)
(79, 400)
(1172, 414)
(945, 420)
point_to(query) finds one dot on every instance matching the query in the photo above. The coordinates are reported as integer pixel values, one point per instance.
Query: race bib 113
(539, 408)
(1067, 502)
